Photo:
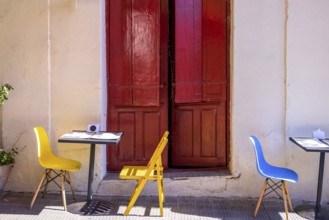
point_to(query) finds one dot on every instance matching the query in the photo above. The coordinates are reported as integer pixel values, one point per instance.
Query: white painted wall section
(258, 89)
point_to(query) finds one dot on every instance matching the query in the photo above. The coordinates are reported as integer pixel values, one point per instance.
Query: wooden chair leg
(162, 187)
(48, 177)
(288, 196)
(260, 197)
(160, 194)
(63, 189)
(70, 183)
(135, 195)
(284, 199)
(38, 188)
(132, 194)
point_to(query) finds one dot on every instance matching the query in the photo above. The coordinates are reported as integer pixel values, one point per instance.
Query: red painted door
(137, 79)
(199, 84)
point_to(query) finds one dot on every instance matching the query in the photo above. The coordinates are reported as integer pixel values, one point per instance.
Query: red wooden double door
(167, 70)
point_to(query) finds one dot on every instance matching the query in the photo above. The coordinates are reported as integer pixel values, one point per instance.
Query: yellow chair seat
(136, 172)
(58, 163)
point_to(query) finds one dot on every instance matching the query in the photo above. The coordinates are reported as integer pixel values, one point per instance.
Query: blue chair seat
(280, 173)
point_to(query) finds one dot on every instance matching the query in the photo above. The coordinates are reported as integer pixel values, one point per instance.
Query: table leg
(316, 212)
(91, 207)
(91, 172)
(320, 181)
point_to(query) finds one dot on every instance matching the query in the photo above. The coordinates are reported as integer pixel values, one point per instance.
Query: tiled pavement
(15, 206)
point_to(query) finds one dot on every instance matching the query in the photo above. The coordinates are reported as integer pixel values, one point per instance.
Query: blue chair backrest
(260, 159)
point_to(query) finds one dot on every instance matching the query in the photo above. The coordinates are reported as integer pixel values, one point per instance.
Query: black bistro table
(91, 207)
(322, 147)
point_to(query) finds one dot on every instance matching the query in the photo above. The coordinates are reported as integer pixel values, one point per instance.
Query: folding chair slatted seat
(153, 171)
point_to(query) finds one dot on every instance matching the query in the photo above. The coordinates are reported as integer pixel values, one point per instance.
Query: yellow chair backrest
(44, 150)
(158, 151)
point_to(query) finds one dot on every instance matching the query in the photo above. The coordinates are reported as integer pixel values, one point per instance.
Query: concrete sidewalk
(15, 206)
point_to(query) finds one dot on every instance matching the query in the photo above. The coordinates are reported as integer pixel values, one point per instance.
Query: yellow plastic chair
(51, 162)
(153, 171)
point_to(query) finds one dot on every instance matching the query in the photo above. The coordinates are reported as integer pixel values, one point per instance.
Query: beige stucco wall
(307, 88)
(280, 69)
(53, 53)
(258, 89)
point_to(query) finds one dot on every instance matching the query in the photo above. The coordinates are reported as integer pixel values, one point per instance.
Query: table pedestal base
(93, 207)
(310, 212)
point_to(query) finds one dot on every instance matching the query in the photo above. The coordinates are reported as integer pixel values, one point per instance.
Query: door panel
(214, 50)
(188, 51)
(134, 74)
(137, 79)
(199, 132)
(143, 128)
(145, 47)
(200, 84)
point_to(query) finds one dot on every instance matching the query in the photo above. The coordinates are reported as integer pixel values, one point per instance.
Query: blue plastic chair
(276, 177)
